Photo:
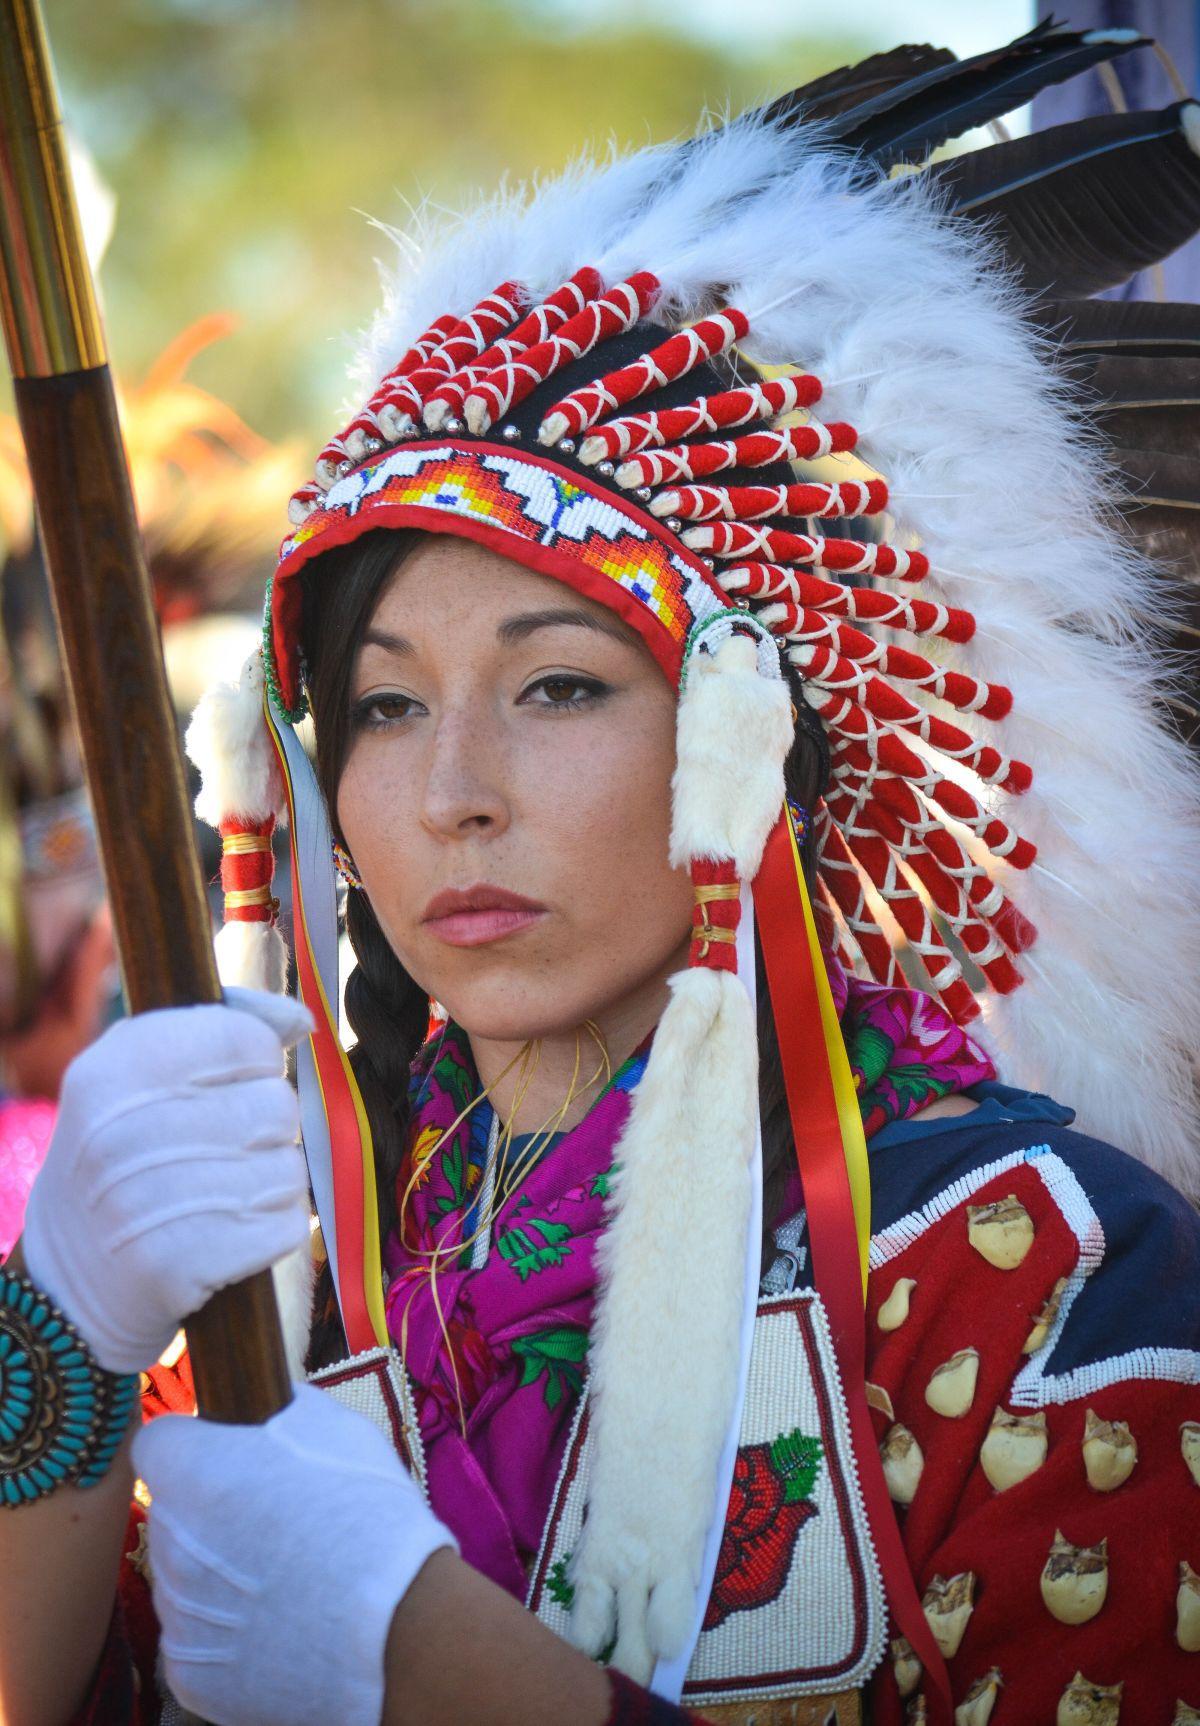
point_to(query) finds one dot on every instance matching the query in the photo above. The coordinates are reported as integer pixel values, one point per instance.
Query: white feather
(993, 473)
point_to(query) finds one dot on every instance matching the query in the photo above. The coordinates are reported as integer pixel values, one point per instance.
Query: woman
(618, 1333)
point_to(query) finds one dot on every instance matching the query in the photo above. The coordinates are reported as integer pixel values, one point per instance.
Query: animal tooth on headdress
(1110, 1452)
(905, 1665)
(674, 358)
(948, 1604)
(748, 503)
(615, 311)
(736, 407)
(1075, 1580)
(755, 449)
(903, 1464)
(1016, 1446)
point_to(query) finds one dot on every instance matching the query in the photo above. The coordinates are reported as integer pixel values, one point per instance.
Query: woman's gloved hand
(278, 1555)
(173, 1171)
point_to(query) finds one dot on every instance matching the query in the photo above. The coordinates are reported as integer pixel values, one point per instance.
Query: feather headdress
(671, 381)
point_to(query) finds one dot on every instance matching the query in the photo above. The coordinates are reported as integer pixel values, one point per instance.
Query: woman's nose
(464, 792)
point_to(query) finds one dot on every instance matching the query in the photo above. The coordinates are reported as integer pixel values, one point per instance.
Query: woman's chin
(515, 1020)
(517, 1008)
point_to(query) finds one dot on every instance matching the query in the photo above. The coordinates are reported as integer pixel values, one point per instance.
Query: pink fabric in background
(25, 1127)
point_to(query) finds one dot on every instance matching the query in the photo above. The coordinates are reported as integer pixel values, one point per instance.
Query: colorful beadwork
(61, 1416)
(518, 498)
(799, 818)
(344, 864)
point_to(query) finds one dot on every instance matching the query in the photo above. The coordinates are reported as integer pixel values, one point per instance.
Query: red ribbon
(831, 1230)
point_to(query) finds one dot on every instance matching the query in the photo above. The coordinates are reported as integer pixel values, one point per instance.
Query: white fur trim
(732, 737)
(229, 742)
(295, 1279)
(252, 955)
(665, 1354)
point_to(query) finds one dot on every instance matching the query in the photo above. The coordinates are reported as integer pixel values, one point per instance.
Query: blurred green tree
(245, 141)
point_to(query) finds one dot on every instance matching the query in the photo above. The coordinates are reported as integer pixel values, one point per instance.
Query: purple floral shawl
(501, 1351)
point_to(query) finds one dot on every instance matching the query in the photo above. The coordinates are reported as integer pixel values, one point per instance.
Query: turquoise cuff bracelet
(62, 1417)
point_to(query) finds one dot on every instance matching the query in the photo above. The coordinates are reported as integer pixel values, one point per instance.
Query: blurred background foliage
(247, 142)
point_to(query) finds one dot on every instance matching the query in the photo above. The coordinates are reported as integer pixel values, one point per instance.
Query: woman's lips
(476, 915)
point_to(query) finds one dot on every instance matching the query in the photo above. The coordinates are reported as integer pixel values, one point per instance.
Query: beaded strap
(62, 1417)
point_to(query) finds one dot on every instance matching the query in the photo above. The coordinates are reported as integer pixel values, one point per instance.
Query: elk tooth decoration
(951, 1390)
(1044, 1320)
(903, 1463)
(1083, 1703)
(878, 1399)
(948, 1606)
(1109, 1452)
(1189, 1444)
(1075, 1580)
(1187, 1610)
(906, 1666)
(1185, 1715)
(1014, 1448)
(1001, 1232)
(894, 1310)
(975, 1709)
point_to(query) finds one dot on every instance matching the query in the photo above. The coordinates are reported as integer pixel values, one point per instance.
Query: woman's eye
(376, 712)
(564, 691)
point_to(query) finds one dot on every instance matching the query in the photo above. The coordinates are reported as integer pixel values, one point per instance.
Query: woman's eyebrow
(397, 644)
(515, 629)
(512, 630)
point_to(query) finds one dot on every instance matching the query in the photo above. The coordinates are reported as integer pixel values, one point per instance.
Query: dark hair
(387, 1011)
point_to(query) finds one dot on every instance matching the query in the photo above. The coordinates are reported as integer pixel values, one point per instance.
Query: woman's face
(506, 796)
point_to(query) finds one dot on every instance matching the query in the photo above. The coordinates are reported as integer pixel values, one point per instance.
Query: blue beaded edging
(62, 1417)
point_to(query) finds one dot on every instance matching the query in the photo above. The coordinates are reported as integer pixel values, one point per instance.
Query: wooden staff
(109, 634)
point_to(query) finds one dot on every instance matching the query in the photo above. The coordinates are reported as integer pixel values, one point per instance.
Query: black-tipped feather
(1169, 535)
(907, 122)
(1171, 431)
(1082, 207)
(1138, 382)
(1162, 329)
(849, 86)
(1146, 478)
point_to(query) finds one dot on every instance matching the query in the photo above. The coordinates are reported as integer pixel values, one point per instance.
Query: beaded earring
(344, 864)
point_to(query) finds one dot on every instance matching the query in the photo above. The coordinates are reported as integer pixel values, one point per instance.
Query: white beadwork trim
(735, 1668)
(1034, 1386)
(371, 1383)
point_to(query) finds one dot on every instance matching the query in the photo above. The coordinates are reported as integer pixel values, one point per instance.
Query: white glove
(173, 1171)
(278, 1555)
